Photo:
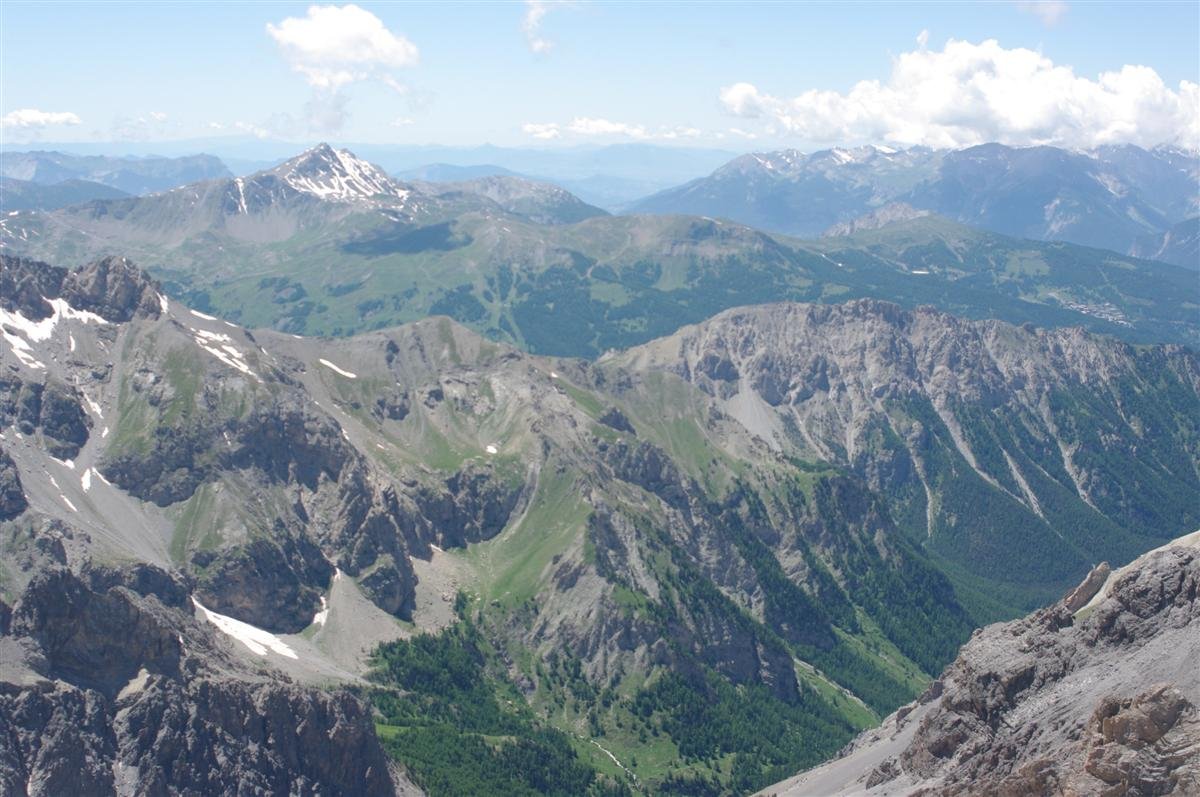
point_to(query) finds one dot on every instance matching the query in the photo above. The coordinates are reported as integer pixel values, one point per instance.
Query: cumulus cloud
(1048, 11)
(966, 94)
(531, 23)
(544, 131)
(33, 119)
(333, 47)
(336, 45)
(588, 126)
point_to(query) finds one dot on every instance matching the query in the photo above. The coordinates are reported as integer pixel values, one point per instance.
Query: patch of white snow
(334, 368)
(256, 639)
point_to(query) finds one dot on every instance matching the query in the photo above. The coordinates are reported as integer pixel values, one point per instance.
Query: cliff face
(1097, 694)
(1020, 455)
(110, 687)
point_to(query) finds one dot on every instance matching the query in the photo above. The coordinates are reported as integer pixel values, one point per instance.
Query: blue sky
(716, 74)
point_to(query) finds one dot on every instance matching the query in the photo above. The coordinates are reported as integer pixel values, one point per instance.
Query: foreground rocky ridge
(111, 687)
(1097, 694)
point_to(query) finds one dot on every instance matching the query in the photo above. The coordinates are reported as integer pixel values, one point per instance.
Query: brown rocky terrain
(1093, 699)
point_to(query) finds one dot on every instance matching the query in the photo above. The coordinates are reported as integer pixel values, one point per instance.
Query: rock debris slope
(1096, 700)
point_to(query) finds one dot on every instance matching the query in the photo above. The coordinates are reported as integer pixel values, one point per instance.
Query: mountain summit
(336, 174)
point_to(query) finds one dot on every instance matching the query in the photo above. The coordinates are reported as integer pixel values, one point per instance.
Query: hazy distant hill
(27, 195)
(127, 174)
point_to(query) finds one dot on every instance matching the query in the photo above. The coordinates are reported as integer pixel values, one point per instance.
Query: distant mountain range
(1117, 197)
(28, 195)
(129, 175)
(328, 243)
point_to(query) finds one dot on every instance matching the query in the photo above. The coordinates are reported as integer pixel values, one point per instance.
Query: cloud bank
(33, 119)
(967, 94)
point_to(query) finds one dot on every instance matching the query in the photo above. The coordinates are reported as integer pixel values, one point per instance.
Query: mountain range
(130, 175)
(1115, 197)
(327, 243)
(697, 565)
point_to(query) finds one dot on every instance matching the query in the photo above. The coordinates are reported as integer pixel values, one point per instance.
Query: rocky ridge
(1041, 426)
(1100, 699)
(111, 687)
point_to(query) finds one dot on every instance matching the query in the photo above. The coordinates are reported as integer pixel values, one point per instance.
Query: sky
(729, 75)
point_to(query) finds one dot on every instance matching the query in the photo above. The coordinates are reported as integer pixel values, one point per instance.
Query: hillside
(631, 569)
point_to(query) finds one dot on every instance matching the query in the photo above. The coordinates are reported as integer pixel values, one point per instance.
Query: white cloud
(1048, 11)
(737, 131)
(32, 119)
(531, 23)
(922, 38)
(588, 126)
(252, 129)
(216, 126)
(967, 94)
(402, 121)
(680, 132)
(336, 45)
(544, 131)
(138, 128)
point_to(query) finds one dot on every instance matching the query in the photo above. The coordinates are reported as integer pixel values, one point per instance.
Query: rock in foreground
(1097, 701)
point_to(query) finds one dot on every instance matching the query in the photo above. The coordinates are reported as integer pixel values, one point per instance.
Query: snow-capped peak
(337, 174)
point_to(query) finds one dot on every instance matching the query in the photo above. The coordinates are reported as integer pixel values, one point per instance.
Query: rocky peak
(113, 288)
(338, 175)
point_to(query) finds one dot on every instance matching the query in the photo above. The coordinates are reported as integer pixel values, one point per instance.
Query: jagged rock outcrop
(111, 688)
(111, 287)
(12, 494)
(1102, 699)
(50, 409)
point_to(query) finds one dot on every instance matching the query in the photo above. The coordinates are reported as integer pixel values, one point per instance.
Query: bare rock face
(1092, 699)
(110, 687)
(50, 409)
(113, 288)
(12, 494)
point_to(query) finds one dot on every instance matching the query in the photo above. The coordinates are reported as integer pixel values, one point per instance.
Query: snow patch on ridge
(220, 345)
(256, 639)
(336, 369)
(28, 331)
